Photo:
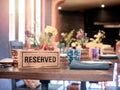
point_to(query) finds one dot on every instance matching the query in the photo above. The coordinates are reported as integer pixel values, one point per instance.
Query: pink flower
(28, 33)
(79, 35)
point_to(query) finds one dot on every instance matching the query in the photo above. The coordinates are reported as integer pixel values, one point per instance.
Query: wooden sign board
(36, 59)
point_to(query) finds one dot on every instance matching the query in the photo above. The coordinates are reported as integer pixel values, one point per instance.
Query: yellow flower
(50, 29)
(74, 44)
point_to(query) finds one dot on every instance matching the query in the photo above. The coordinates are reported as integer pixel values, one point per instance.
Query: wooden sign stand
(36, 59)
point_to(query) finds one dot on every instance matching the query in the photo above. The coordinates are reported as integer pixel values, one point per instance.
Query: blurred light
(112, 26)
(59, 8)
(102, 5)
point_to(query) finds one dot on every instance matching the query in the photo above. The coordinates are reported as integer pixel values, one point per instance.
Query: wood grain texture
(58, 74)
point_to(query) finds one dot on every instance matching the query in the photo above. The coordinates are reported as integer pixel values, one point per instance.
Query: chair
(73, 86)
(85, 55)
(16, 45)
(18, 84)
(108, 50)
(109, 54)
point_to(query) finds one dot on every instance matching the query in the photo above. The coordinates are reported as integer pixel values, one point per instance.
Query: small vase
(61, 47)
(27, 43)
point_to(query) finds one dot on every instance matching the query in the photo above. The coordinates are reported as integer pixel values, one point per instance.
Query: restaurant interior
(89, 27)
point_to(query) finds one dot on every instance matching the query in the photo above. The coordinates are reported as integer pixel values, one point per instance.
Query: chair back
(108, 50)
(85, 56)
(16, 45)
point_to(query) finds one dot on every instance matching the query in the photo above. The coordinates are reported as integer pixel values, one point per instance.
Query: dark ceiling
(81, 5)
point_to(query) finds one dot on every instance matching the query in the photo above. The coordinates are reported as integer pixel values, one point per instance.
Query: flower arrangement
(81, 39)
(80, 36)
(98, 37)
(117, 47)
(46, 40)
(30, 37)
(117, 41)
(67, 38)
(71, 41)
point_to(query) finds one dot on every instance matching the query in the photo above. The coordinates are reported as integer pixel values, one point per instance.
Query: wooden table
(63, 73)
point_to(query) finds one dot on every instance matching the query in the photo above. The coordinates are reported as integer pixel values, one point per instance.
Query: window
(18, 20)
(11, 20)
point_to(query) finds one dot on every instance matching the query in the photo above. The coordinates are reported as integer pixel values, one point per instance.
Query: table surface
(62, 73)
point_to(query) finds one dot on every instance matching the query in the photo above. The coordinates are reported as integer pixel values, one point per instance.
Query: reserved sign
(38, 59)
